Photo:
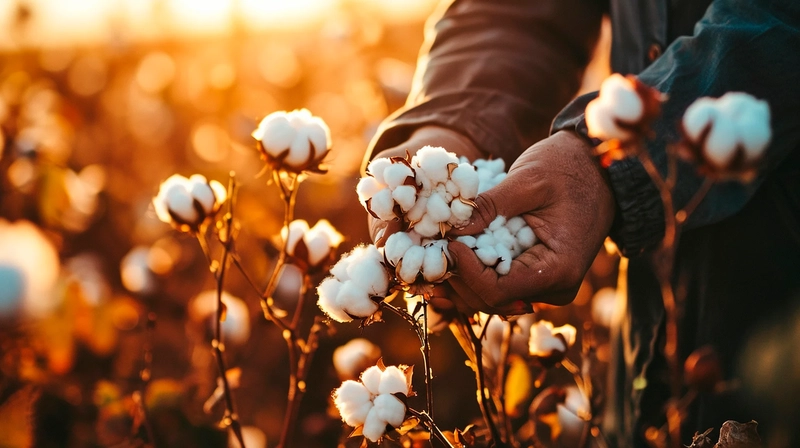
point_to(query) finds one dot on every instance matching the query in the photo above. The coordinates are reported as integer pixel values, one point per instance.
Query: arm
(739, 45)
(496, 72)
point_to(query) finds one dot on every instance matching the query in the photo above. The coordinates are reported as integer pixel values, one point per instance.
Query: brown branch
(428, 420)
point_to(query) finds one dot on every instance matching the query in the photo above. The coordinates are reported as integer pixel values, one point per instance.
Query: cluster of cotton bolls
(490, 172)
(501, 242)
(357, 278)
(722, 127)
(373, 403)
(432, 192)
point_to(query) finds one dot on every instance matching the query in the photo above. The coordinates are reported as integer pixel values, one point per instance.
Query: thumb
(511, 197)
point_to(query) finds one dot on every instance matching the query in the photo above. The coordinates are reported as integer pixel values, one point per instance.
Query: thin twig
(683, 215)
(428, 420)
(426, 359)
(146, 374)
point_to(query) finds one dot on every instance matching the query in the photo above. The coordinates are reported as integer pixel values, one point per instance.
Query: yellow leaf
(16, 419)
(518, 386)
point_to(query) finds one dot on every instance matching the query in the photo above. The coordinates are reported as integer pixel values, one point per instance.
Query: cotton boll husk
(374, 426)
(434, 264)
(467, 180)
(355, 300)
(427, 226)
(468, 240)
(525, 237)
(372, 379)
(393, 381)
(367, 187)
(515, 224)
(698, 116)
(434, 161)
(390, 409)
(275, 133)
(353, 401)
(405, 196)
(328, 291)
(487, 254)
(438, 208)
(396, 245)
(504, 254)
(300, 149)
(201, 192)
(377, 166)
(417, 212)
(411, 264)
(396, 174)
(461, 213)
(294, 234)
(382, 204)
(721, 141)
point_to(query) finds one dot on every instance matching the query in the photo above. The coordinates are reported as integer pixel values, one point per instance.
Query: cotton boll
(467, 179)
(369, 275)
(434, 264)
(339, 270)
(367, 187)
(390, 409)
(700, 114)
(396, 246)
(320, 240)
(515, 224)
(622, 99)
(393, 381)
(355, 301)
(504, 254)
(434, 161)
(294, 234)
(396, 174)
(372, 379)
(411, 264)
(601, 122)
(468, 240)
(721, 142)
(503, 236)
(382, 205)
(377, 166)
(352, 358)
(486, 240)
(487, 254)
(525, 237)
(418, 210)
(319, 135)
(427, 226)
(180, 202)
(353, 401)
(460, 213)
(405, 196)
(328, 291)
(374, 426)
(438, 208)
(201, 192)
(300, 150)
(424, 182)
(754, 129)
(275, 133)
(451, 188)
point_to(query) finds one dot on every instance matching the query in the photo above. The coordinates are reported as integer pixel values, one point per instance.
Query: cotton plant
(293, 144)
(725, 138)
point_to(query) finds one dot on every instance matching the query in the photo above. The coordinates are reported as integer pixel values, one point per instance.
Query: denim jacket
(499, 71)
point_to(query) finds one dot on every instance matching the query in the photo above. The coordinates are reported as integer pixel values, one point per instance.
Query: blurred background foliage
(100, 101)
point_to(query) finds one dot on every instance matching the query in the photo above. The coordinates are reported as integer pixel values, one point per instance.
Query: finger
(511, 197)
(469, 303)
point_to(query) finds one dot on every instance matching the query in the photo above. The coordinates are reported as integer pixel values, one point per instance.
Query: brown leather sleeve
(497, 71)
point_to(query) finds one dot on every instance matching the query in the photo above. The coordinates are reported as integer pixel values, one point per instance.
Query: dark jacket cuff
(639, 219)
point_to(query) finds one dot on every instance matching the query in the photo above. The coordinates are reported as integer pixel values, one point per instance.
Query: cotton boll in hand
(501, 242)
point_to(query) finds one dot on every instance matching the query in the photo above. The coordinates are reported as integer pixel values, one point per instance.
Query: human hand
(424, 136)
(563, 194)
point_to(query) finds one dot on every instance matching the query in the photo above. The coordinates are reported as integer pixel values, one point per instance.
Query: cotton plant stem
(426, 359)
(682, 215)
(146, 374)
(219, 271)
(480, 378)
(428, 420)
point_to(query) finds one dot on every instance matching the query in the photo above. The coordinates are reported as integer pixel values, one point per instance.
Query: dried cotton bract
(376, 401)
(550, 344)
(358, 282)
(501, 242)
(293, 141)
(187, 203)
(311, 248)
(727, 134)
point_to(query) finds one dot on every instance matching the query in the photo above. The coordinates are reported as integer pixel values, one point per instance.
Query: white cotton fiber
(393, 381)
(377, 166)
(372, 379)
(396, 246)
(438, 209)
(412, 263)
(374, 426)
(396, 174)
(405, 196)
(390, 409)
(367, 187)
(353, 401)
(382, 204)
(434, 264)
